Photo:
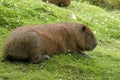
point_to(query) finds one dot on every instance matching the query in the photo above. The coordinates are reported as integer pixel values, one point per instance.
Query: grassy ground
(105, 61)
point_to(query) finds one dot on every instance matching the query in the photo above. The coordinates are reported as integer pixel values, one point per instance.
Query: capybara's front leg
(81, 53)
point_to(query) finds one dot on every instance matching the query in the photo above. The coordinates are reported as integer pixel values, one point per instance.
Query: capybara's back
(61, 3)
(33, 43)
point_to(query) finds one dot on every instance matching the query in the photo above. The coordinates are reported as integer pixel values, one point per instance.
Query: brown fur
(62, 3)
(34, 42)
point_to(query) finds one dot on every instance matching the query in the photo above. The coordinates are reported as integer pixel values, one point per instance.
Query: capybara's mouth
(95, 44)
(90, 48)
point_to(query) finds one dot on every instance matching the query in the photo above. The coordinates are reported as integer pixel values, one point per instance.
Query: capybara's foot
(40, 59)
(81, 53)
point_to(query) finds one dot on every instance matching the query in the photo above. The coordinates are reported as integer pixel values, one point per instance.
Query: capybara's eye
(83, 28)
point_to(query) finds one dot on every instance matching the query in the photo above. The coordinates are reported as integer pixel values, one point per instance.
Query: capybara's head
(61, 3)
(85, 38)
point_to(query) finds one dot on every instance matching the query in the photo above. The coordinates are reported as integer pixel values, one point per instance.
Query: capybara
(35, 42)
(61, 3)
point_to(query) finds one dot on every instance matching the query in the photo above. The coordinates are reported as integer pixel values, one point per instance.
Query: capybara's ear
(83, 28)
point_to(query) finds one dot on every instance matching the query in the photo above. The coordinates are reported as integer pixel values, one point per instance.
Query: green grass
(105, 61)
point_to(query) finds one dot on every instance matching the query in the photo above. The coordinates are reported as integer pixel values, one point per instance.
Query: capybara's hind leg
(37, 59)
(37, 48)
